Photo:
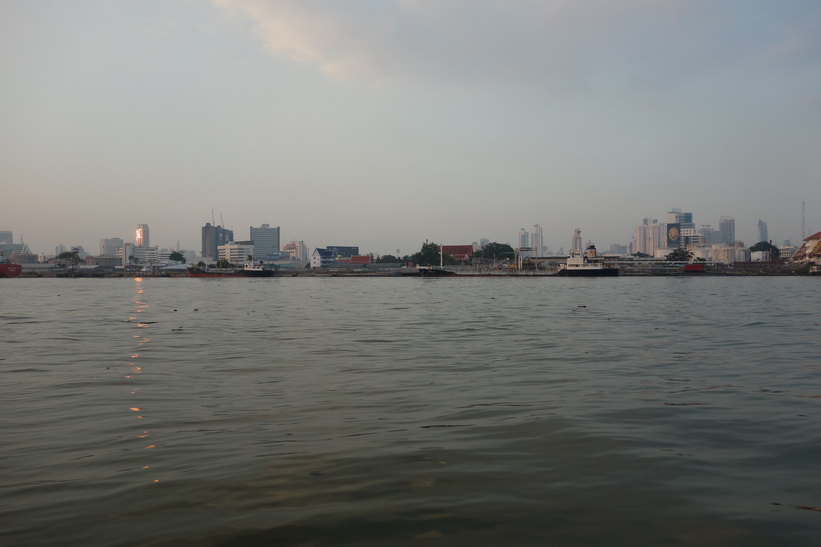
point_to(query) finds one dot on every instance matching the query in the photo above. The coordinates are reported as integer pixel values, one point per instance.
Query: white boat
(587, 264)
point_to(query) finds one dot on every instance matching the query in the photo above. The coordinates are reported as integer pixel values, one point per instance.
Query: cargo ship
(7, 269)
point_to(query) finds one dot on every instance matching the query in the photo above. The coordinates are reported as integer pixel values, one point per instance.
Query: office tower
(537, 240)
(297, 249)
(141, 238)
(576, 242)
(726, 230)
(708, 234)
(647, 236)
(762, 231)
(523, 241)
(109, 246)
(640, 239)
(212, 238)
(266, 242)
(685, 221)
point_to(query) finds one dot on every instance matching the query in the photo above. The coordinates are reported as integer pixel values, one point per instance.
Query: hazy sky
(382, 123)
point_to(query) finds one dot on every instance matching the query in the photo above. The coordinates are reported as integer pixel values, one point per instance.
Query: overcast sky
(383, 123)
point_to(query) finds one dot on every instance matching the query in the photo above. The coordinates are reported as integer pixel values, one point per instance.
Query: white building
(109, 246)
(731, 253)
(322, 258)
(235, 253)
(145, 254)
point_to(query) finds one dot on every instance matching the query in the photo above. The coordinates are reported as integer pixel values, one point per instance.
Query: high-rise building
(647, 237)
(109, 246)
(726, 230)
(6, 237)
(523, 242)
(298, 250)
(266, 242)
(537, 240)
(762, 231)
(576, 242)
(141, 237)
(212, 238)
(708, 235)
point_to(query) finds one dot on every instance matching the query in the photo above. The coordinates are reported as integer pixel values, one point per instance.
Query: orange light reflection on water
(135, 370)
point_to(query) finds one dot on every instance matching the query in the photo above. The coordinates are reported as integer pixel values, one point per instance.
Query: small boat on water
(433, 271)
(815, 270)
(588, 264)
(249, 269)
(256, 269)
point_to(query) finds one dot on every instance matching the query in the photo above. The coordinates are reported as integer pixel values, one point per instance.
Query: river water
(471, 411)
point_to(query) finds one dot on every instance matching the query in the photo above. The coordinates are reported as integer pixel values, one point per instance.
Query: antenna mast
(213, 222)
(803, 220)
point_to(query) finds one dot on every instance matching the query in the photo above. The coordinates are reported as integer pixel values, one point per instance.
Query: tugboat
(256, 269)
(588, 264)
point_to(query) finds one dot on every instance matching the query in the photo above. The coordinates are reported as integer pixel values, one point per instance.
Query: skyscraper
(726, 230)
(708, 234)
(576, 243)
(762, 231)
(213, 237)
(537, 240)
(141, 238)
(266, 241)
(524, 241)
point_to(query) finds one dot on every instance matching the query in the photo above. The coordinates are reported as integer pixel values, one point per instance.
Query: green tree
(69, 255)
(222, 263)
(775, 254)
(495, 250)
(429, 256)
(177, 256)
(388, 258)
(680, 255)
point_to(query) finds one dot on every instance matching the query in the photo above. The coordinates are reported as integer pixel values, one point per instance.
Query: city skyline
(523, 237)
(387, 124)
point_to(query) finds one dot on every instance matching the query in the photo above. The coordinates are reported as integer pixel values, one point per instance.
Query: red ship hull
(10, 270)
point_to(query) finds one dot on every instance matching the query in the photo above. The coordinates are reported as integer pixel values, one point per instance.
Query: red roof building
(461, 253)
(810, 250)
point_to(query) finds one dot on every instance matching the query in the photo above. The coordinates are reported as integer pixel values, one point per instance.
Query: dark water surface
(291, 411)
